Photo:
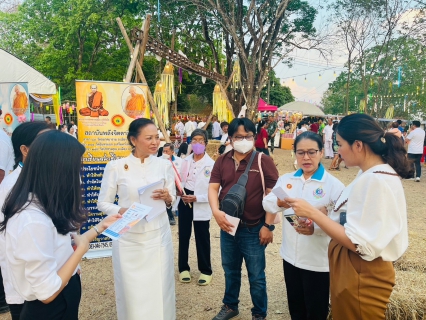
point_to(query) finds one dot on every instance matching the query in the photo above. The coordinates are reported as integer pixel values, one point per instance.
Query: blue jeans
(245, 245)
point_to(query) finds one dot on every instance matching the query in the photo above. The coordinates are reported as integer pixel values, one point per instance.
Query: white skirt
(144, 275)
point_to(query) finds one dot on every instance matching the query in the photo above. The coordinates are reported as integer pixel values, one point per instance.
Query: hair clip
(383, 138)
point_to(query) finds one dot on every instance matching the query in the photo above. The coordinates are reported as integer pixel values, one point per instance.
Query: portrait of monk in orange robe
(135, 104)
(20, 102)
(95, 104)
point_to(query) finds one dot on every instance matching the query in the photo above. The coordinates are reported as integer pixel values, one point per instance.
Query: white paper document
(132, 216)
(280, 193)
(234, 221)
(145, 194)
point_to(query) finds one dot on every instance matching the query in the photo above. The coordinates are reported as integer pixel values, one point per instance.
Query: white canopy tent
(13, 69)
(306, 108)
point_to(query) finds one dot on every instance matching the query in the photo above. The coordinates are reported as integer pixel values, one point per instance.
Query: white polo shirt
(417, 138)
(322, 189)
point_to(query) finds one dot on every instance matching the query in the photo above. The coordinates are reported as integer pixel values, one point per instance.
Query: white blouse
(123, 177)
(12, 297)
(35, 251)
(376, 213)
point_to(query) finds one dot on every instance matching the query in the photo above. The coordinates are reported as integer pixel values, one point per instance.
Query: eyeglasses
(198, 141)
(311, 153)
(241, 138)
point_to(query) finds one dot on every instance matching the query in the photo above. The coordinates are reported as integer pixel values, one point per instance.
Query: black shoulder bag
(234, 201)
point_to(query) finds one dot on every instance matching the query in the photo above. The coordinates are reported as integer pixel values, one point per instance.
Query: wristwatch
(269, 226)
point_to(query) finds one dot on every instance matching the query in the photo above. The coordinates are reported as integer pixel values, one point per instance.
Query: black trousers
(15, 311)
(416, 163)
(64, 307)
(202, 239)
(272, 140)
(2, 294)
(307, 293)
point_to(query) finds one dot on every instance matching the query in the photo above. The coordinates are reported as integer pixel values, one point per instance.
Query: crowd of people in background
(40, 250)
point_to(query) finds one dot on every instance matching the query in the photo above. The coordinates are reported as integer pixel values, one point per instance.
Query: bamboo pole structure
(142, 76)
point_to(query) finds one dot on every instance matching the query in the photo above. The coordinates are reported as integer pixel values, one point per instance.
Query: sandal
(185, 277)
(204, 279)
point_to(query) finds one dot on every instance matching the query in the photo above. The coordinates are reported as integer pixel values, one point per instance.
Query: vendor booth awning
(15, 70)
(263, 106)
(306, 108)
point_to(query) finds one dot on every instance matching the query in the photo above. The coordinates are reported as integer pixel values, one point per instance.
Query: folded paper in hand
(234, 221)
(280, 193)
(145, 194)
(132, 216)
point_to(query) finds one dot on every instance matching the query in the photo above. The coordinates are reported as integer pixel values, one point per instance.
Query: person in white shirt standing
(169, 154)
(328, 139)
(22, 137)
(368, 223)
(195, 173)
(415, 140)
(216, 129)
(180, 130)
(202, 123)
(39, 216)
(189, 127)
(304, 245)
(194, 122)
(6, 155)
(143, 257)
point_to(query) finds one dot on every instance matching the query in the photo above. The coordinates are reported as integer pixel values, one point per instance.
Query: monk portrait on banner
(135, 104)
(95, 104)
(20, 102)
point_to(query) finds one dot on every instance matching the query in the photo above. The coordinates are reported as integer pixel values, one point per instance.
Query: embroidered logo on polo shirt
(126, 167)
(207, 173)
(319, 193)
(289, 186)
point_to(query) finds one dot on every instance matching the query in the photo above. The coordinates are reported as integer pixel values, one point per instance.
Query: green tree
(279, 95)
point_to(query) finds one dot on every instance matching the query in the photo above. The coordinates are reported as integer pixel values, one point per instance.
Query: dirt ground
(201, 303)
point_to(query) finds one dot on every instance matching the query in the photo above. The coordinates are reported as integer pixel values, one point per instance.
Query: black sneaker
(226, 313)
(257, 317)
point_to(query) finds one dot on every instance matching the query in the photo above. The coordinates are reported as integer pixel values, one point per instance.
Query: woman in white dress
(368, 224)
(143, 257)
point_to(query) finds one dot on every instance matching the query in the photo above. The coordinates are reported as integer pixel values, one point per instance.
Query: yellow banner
(104, 112)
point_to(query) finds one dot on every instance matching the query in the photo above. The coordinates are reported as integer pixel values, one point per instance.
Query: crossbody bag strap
(244, 177)
(259, 162)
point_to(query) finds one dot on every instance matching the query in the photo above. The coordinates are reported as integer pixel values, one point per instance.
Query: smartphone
(292, 219)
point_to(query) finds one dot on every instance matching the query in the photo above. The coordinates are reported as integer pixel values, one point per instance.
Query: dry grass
(408, 300)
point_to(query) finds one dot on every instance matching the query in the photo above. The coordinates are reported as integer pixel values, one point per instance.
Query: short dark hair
(416, 123)
(394, 124)
(135, 128)
(224, 123)
(24, 135)
(237, 122)
(362, 127)
(47, 117)
(200, 132)
(309, 135)
(399, 122)
(169, 145)
(183, 149)
(60, 199)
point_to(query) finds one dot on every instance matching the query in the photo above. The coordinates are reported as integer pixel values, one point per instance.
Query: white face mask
(166, 156)
(243, 146)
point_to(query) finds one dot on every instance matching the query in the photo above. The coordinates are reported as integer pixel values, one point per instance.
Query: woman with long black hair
(368, 224)
(40, 213)
(22, 138)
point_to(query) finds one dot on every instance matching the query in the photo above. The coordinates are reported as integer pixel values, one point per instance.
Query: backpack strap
(244, 177)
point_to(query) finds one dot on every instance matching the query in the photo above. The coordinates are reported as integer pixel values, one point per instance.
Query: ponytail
(364, 128)
(396, 155)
